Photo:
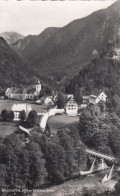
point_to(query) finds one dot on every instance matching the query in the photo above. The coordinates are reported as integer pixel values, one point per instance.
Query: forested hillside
(13, 70)
(101, 73)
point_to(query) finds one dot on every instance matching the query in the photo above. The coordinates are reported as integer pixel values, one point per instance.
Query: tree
(60, 100)
(114, 142)
(22, 115)
(77, 94)
(117, 188)
(10, 116)
(32, 117)
(4, 114)
(37, 172)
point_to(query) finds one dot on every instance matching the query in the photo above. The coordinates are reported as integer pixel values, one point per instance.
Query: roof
(69, 99)
(16, 90)
(30, 90)
(93, 97)
(45, 97)
(21, 106)
(86, 97)
(70, 95)
(38, 82)
(96, 93)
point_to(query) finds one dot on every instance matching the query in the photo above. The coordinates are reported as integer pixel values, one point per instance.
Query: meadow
(58, 121)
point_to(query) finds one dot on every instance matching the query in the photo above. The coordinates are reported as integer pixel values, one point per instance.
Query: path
(51, 112)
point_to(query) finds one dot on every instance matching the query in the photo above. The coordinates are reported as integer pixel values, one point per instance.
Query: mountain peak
(11, 37)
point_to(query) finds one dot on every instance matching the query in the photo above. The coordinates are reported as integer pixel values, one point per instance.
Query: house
(47, 100)
(17, 108)
(71, 107)
(97, 96)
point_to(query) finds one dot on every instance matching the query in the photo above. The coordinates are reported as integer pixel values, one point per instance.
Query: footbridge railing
(101, 155)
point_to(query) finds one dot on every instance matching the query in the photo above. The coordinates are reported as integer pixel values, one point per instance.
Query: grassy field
(59, 121)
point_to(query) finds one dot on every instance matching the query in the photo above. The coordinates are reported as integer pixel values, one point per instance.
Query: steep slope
(29, 47)
(11, 37)
(101, 73)
(13, 70)
(71, 47)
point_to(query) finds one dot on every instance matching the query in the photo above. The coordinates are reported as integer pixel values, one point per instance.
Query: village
(28, 99)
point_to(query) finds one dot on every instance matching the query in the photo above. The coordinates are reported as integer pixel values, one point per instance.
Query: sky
(32, 17)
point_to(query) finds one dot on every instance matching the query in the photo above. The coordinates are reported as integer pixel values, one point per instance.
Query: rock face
(13, 70)
(66, 50)
(11, 37)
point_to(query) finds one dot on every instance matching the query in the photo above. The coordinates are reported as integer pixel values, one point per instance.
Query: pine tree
(77, 94)
(60, 101)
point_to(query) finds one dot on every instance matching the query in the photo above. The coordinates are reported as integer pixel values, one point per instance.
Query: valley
(60, 108)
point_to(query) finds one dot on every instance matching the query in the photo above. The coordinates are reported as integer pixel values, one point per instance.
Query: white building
(71, 107)
(17, 108)
(97, 96)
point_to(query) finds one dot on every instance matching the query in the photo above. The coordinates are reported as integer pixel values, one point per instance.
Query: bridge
(100, 155)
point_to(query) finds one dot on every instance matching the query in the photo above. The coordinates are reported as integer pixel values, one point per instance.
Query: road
(51, 112)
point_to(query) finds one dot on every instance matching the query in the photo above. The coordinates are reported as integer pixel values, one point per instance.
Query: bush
(10, 116)
(22, 115)
(4, 114)
(32, 117)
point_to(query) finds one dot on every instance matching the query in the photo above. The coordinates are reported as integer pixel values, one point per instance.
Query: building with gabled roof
(71, 106)
(97, 96)
(47, 100)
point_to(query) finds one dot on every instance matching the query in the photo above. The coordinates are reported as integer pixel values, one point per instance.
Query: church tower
(38, 87)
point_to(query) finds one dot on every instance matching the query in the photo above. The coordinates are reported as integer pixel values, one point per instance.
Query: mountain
(29, 47)
(11, 37)
(71, 47)
(13, 70)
